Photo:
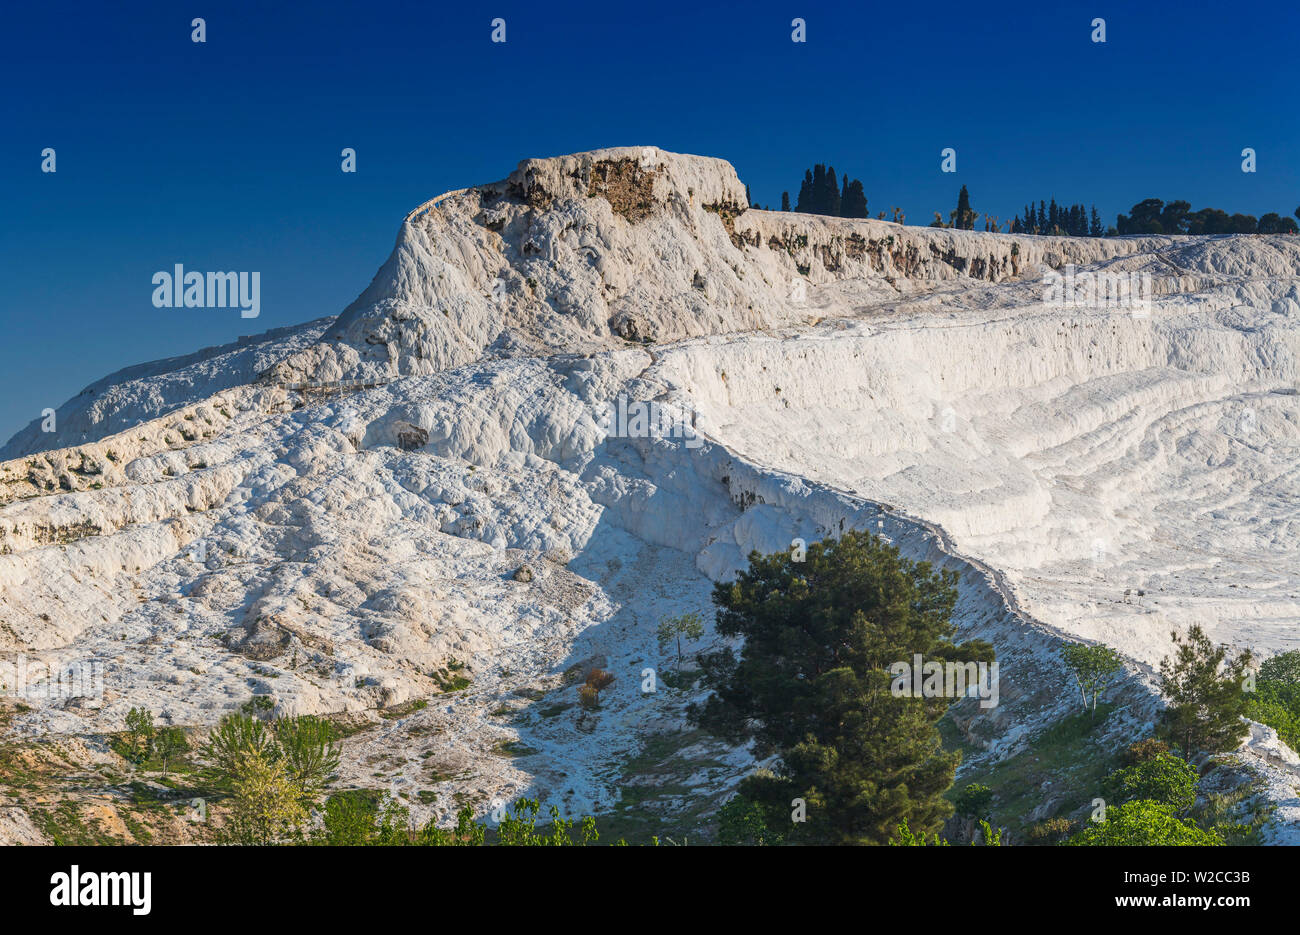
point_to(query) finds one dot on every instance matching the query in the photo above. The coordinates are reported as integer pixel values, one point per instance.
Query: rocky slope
(351, 515)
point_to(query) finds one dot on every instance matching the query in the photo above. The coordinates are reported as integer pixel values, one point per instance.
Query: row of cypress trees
(822, 193)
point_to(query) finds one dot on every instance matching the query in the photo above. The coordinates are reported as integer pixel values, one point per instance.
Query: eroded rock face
(578, 253)
(420, 509)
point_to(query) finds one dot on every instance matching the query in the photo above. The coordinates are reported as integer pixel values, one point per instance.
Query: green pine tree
(812, 685)
(1205, 695)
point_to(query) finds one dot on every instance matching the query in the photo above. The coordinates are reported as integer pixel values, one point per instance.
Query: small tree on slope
(1205, 694)
(1093, 667)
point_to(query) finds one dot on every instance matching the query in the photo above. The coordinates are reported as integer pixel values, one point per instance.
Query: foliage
(743, 821)
(1143, 823)
(234, 737)
(1093, 667)
(671, 629)
(1283, 668)
(1205, 697)
(597, 681)
(265, 805)
(905, 838)
(306, 744)
(170, 742)
(520, 829)
(141, 732)
(347, 820)
(1276, 702)
(974, 801)
(1050, 831)
(1165, 778)
(1143, 750)
(355, 820)
(1153, 216)
(811, 684)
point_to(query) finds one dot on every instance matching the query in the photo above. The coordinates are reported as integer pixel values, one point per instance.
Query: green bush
(1284, 668)
(1166, 779)
(974, 801)
(1276, 702)
(744, 822)
(1143, 824)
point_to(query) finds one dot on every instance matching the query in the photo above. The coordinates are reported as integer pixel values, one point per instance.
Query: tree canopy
(811, 684)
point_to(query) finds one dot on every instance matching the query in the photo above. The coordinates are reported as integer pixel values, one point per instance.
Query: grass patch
(1070, 754)
(514, 748)
(404, 709)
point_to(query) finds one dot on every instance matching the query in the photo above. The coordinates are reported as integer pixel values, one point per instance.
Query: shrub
(905, 838)
(1143, 824)
(1165, 779)
(1143, 750)
(974, 801)
(745, 822)
(140, 730)
(1284, 667)
(1050, 831)
(347, 820)
(597, 681)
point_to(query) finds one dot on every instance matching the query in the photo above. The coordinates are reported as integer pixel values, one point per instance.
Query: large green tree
(812, 685)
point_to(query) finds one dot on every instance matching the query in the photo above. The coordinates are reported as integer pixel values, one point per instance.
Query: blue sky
(225, 155)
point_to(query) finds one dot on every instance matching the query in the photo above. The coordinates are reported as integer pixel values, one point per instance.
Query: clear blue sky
(225, 155)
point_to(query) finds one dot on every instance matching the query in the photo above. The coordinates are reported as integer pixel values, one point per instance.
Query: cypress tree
(805, 202)
(964, 218)
(855, 201)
